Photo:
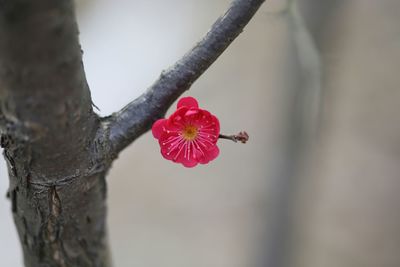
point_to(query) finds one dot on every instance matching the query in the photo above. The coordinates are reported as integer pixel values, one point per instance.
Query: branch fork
(138, 116)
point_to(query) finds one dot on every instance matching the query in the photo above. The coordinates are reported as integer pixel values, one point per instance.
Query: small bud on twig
(242, 137)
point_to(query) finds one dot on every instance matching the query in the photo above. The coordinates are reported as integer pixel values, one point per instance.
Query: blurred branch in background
(309, 92)
(304, 192)
(301, 113)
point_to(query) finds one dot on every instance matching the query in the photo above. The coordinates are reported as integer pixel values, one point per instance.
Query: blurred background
(315, 83)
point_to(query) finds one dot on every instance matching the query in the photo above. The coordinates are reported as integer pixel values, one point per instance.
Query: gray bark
(138, 116)
(57, 149)
(49, 136)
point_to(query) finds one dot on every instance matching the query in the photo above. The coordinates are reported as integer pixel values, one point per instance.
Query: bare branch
(241, 137)
(137, 117)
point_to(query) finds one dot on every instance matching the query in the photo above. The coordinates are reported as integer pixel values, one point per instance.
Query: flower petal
(189, 163)
(192, 112)
(188, 101)
(213, 154)
(186, 157)
(178, 152)
(158, 128)
(216, 121)
(176, 120)
(188, 152)
(210, 155)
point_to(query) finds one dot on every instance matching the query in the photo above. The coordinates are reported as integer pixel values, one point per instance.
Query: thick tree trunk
(50, 137)
(57, 149)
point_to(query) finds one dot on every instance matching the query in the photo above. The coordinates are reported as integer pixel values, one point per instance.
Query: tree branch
(137, 117)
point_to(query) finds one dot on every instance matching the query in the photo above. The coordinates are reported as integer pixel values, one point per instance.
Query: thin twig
(242, 137)
(137, 117)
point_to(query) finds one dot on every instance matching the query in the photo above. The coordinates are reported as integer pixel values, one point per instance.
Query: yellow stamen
(189, 133)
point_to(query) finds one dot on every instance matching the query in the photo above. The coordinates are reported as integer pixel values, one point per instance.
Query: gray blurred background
(318, 90)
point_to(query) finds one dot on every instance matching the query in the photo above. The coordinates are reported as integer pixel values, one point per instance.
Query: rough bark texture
(57, 149)
(49, 137)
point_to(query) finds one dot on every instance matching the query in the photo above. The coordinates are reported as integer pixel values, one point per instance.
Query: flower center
(189, 133)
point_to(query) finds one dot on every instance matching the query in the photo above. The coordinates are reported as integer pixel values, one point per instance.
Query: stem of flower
(242, 137)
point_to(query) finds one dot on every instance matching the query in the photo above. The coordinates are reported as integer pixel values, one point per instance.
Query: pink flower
(189, 136)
